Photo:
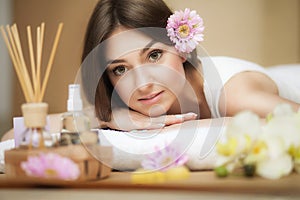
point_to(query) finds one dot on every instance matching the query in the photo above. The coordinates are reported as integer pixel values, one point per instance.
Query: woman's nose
(142, 78)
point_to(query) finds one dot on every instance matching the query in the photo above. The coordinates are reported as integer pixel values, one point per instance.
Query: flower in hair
(185, 29)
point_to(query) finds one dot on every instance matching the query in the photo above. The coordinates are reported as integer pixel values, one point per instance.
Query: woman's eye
(119, 70)
(155, 55)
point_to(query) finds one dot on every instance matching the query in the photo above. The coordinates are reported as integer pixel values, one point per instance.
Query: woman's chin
(154, 111)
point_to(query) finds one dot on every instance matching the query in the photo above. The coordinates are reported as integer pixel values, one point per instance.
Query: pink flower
(51, 165)
(185, 30)
(164, 159)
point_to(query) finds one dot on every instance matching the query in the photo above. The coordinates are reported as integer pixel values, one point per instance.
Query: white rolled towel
(4, 146)
(130, 148)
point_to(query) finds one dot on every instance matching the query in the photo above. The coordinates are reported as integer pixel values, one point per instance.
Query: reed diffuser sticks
(32, 86)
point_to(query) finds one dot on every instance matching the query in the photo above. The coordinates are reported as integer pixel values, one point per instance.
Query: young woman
(137, 79)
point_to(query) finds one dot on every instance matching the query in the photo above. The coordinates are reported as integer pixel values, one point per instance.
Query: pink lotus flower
(51, 165)
(185, 30)
(164, 159)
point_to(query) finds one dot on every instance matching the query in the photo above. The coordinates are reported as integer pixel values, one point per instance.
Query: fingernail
(179, 116)
(191, 114)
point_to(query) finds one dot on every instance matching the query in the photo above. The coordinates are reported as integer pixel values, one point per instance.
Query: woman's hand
(127, 120)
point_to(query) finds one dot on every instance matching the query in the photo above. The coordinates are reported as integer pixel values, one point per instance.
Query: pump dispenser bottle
(74, 121)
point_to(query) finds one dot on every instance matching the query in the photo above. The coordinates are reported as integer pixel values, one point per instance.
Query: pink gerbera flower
(164, 159)
(51, 165)
(185, 30)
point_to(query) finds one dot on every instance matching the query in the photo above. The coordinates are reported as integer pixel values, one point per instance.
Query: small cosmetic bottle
(74, 122)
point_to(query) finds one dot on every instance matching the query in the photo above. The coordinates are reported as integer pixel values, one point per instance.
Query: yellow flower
(229, 148)
(257, 153)
(294, 152)
(177, 173)
(142, 176)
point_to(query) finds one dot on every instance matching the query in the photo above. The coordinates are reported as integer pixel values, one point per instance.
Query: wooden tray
(200, 181)
(93, 160)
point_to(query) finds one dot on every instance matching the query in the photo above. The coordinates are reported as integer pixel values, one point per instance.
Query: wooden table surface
(119, 183)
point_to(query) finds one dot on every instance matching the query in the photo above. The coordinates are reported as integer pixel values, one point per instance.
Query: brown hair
(107, 15)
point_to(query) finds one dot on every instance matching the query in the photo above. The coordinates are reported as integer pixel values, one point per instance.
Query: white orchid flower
(244, 123)
(273, 148)
(274, 168)
(270, 157)
(238, 139)
(285, 124)
(240, 134)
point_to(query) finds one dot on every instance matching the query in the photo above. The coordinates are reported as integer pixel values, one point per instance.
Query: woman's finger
(175, 119)
(137, 121)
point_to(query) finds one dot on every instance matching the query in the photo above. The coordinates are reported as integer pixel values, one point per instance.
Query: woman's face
(147, 75)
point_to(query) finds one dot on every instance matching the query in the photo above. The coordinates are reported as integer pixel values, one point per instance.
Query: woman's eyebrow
(117, 61)
(109, 62)
(148, 46)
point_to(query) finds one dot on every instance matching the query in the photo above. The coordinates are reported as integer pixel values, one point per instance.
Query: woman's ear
(183, 57)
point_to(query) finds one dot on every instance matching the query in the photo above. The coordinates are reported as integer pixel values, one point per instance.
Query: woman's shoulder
(217, 71)
(227, 67)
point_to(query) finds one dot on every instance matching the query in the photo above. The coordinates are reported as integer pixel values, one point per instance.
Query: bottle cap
(35, 114)
(74, 100)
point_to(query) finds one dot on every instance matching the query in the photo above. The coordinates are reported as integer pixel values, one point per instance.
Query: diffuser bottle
(35, 135)
(74, 122)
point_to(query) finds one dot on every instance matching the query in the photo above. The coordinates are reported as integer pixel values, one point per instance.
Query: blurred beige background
(262, 31)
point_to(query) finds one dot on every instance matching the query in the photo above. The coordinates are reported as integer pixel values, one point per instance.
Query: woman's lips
(152, 98)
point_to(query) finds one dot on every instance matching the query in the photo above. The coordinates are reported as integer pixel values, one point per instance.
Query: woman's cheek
(123, 90)
(171, 77)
